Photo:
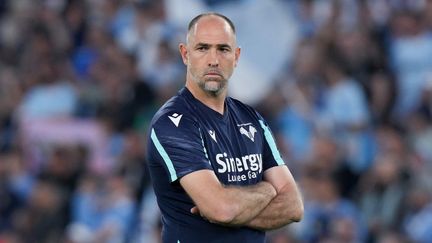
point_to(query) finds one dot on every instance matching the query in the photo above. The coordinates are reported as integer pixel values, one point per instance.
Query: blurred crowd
(351, 109)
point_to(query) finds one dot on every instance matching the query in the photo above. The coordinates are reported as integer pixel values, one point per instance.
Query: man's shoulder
(240, 106)
(175, 110)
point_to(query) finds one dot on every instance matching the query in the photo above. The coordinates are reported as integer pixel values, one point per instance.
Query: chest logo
(212, 135)
(250, 133)
(175, 118)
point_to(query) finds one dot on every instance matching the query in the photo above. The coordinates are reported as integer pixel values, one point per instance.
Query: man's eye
(202, 48)
(225, 49)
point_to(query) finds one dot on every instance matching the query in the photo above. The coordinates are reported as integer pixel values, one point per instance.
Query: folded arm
(286, 207)
(227, 205)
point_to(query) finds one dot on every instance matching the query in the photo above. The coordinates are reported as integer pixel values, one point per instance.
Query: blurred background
(346, 86)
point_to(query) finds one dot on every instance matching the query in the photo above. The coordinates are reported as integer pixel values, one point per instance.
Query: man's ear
(183, 52)
(237, 56)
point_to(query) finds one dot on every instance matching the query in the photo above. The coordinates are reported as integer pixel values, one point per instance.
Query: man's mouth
(213, 74)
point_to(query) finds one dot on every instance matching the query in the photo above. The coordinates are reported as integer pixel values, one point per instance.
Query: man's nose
(213, 59)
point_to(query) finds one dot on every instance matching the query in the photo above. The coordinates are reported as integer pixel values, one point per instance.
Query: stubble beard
(213, 87)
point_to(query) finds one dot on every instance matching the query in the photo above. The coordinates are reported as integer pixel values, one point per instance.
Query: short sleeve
(271, 154)
(176, 143)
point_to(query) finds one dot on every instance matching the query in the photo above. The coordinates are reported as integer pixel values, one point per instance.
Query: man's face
(211, 54)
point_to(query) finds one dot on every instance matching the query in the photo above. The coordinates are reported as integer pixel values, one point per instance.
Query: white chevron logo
(212, 135)
(175, 118)
(250, 134)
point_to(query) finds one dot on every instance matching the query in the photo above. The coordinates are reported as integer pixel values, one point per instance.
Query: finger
(194, 210)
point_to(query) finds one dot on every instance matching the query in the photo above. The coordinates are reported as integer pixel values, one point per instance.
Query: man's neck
(214, 102)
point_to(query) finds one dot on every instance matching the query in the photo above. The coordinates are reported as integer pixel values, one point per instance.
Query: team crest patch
(249, 131)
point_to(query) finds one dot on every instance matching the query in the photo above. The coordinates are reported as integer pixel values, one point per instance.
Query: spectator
(329, 215)
(101, 212)
(345, 114)
(382, 195)
(410, 49)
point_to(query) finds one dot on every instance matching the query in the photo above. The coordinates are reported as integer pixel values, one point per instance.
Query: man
(216, 171)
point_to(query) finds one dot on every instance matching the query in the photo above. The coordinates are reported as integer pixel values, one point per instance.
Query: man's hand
(195, 210)
(286, 207)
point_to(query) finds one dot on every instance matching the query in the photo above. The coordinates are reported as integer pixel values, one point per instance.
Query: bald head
(192, 27)
(195, 20)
